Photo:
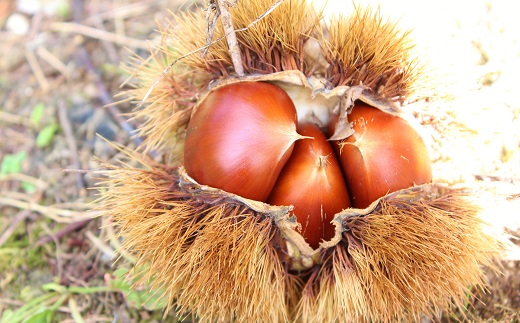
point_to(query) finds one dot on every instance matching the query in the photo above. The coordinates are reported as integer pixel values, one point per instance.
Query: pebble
(18, 24)
(47, 7)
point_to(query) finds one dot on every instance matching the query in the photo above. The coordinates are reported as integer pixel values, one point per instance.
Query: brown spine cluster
(223, 258)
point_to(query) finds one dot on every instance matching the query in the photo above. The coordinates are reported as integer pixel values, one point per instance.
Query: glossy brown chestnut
(312, 182)
(240, 137)
(385, 154)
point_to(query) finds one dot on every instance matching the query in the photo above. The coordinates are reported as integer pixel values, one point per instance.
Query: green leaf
(63, 9)
(139, 299)
(120, 272)
(37, 114)
(6, 316)
(74, 311)
(54, 287)
(154, 301)
(46, 135)
(12, 163)
(44, 316)
(89, 290)
(110, 68)
(133, 299)
(30, 309)
(120, 282)
(28, 187)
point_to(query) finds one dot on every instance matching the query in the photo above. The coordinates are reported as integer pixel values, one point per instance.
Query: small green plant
(42, 306)
(37, 114)
(47, 130)
(12, 163)
(46, 135)
(139, 298)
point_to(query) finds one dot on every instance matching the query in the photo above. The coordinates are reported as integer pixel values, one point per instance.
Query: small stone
(17, 24)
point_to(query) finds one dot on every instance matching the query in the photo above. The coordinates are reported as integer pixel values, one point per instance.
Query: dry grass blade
(37, 70)
(21, 216)
(60, 215)
(71, 27)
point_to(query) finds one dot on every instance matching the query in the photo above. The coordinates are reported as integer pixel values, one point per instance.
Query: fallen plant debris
(59, 72)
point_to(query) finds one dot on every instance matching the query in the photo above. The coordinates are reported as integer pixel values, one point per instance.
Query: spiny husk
(223, 259)
(414, 252)
(211, 257)
(407, 257)
(423, 254)
(272, 44)
(366, 49)
(292, 37)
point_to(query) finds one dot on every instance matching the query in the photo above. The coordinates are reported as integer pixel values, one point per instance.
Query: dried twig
(106, 99)
(229, 30)
(103, 93)
(103, 247)
(123, 12)
(115, 243)
(58, 252)
(71, 142)
(110, 47)
(494, 178)
(56, 214)
(52, 60)
(17, 119)
(37, 70)
(17, 219)
(513, 197)
(63, 232)
(210, 26)
(71, 27)
(40, 184)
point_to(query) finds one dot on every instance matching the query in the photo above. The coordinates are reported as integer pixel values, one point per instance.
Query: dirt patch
(61, 66)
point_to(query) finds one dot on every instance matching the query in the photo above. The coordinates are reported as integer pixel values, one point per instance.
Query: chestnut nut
(244, 138)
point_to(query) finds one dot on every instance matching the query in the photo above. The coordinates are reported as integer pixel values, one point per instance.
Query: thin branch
(123, 12)
(20, 216)
(71, 27)
(71, 142)
(63, 232)
(103, 93)
(106, 99)
(229, 30)
(103, 247)
(210, 26)
(37, 70)
(52, 60)
(56, 214)
(40, 184)
(17, 119)
(58, 252)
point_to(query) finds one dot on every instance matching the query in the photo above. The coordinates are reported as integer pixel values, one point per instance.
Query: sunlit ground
(473, 50)
(471, 47)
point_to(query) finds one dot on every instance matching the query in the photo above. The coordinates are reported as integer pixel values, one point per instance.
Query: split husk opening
(412, 252)
(226, 258)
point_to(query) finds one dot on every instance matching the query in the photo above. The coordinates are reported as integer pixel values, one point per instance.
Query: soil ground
(60, 64)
